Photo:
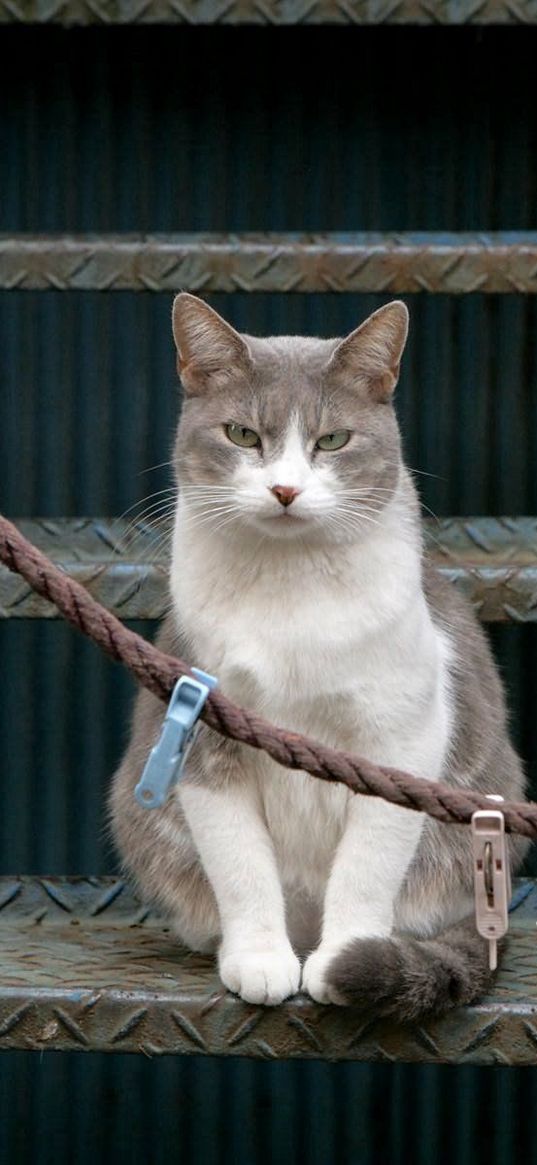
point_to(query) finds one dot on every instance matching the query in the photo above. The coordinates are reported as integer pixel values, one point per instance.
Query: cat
(298, 578)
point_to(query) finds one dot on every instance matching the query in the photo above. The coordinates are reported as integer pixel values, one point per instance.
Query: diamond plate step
(85, 966)
(268, 12)
(392, 264)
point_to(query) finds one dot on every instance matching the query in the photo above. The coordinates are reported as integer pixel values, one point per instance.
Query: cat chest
(313, 672)
(292, 670)
(341, 666)
(281, 637)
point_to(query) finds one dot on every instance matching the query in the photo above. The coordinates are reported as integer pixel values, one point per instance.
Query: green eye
(332, 441)
(246, 438)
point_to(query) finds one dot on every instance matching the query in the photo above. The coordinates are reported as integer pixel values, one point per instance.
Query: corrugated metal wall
(243, 129)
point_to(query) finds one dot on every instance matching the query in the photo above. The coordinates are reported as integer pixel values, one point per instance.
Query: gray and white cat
(298, 577)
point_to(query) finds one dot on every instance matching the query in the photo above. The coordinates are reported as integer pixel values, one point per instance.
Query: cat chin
(304, 528)
(283, 530)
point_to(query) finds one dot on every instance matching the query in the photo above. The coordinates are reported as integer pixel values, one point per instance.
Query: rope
(159, 673)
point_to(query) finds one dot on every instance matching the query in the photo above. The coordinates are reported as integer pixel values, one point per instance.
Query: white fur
(333, 638)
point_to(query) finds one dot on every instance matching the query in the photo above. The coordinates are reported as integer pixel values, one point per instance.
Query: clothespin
(492, 877)
(166, 760)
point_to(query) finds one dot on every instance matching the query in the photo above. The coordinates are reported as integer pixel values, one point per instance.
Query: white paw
(267, 976)
(314, 976)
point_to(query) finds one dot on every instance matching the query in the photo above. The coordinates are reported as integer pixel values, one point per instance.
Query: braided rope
(159, 672)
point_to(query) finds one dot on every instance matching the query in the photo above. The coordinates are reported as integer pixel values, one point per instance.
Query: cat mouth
(286, 515)
(285, 520)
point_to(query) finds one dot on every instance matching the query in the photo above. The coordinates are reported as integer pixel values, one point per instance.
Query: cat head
(290, 435)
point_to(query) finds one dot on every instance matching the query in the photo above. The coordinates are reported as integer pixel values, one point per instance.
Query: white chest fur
(337, 643)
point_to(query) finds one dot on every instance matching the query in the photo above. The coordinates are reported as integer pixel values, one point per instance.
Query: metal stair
(83, 965)
(268, 12)
(393, 264)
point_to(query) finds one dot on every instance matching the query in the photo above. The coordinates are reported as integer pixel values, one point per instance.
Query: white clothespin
(492, 877)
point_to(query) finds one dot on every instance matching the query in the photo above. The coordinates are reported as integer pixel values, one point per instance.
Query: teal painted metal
(151, 130)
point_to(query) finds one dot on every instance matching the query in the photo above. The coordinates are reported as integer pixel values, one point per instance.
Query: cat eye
(246, 438)
(332, 441)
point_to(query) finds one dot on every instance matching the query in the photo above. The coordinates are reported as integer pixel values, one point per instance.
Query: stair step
(267, 12)
(84, 966)
(491, 560)
(392, 264)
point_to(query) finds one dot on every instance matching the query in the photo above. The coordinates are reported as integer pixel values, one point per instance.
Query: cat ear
(373, 352)
(205, 343)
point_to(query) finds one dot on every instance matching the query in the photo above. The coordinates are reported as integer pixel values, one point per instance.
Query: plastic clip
(166, 760)
(492, 877)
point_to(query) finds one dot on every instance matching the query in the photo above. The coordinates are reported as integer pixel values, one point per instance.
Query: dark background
(179, 129)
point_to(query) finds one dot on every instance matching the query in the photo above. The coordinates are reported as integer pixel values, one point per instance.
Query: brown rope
(159, 673)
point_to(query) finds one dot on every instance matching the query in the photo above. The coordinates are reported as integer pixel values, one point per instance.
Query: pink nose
(285, 494)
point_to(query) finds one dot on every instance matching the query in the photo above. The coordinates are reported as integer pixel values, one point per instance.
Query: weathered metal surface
(84, 965)
(491, 560)
(282, 12)
(394, 264)
(122, 564)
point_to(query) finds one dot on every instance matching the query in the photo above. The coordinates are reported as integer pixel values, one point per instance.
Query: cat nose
(285, 493)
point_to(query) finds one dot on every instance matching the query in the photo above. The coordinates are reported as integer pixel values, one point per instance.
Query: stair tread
(84, 965)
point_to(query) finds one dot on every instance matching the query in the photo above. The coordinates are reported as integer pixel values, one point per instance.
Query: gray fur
(411, 979)
(258, 383)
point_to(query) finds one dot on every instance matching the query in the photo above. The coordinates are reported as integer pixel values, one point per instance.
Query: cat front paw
(314, 980)
(267, 976)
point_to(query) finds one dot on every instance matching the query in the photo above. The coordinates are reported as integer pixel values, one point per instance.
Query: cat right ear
(206, 344)
(371, 355)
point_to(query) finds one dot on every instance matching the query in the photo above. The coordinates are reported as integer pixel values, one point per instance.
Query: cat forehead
(288, 381)
(286, 390)
(286, 387)
(298, 355)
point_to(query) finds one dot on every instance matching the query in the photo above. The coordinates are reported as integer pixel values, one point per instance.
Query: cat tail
(412, 978)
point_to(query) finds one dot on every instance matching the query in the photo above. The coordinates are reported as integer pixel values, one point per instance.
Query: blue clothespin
(166, 760)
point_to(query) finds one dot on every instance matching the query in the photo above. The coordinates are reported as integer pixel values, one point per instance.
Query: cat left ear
(206, 344)
(372, 353)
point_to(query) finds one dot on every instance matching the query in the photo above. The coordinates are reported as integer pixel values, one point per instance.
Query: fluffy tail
(412, 978)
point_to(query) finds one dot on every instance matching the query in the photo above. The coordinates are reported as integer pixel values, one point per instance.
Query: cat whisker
(429, 511)
(154, 508)
(353, 511)
(366, 492)
(153, 551)
(354, 518)
(411, 469)
(355, 489)
(138, 527)
(207, 487)
(157, 493)
(217, 518)
(210, 516)
(147, 520)
(347, 526)
(208, 508)
(355, 503)
(206, 503)
(160, 465)
(158, 553)
(228, 495)
(161, 551)
(226, 522)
